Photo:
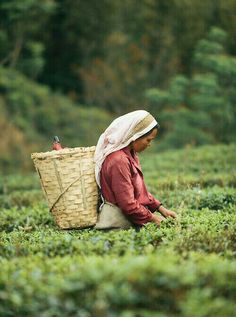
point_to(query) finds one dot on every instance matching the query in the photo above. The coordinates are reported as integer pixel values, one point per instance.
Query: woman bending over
(126, 201)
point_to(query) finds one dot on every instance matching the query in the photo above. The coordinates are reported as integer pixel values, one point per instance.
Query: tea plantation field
(184, 268)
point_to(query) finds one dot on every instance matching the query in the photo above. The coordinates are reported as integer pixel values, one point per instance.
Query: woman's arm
(156, 205)
(166, 212)
(157, 219)
(120, 179)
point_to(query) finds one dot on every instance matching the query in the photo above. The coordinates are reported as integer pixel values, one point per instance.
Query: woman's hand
(157, 219)
(166, 212)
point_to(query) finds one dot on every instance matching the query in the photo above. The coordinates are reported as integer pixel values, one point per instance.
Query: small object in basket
(56, 143)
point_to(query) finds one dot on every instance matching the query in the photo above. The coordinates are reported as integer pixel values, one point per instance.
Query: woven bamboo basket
(68, 181)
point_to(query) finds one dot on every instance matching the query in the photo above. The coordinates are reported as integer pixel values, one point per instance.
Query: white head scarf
(120, 133)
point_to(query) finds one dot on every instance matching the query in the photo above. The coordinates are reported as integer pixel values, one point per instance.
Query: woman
(126, 201)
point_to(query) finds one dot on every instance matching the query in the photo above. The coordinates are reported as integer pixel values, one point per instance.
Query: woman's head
(124, 131)
(140, 144)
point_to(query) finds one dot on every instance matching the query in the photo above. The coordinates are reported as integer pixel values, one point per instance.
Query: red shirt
(122, 184)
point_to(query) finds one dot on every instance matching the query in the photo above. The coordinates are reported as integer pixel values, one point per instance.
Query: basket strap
(65, 190)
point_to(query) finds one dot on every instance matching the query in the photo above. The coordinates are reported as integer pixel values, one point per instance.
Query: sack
(110, 217)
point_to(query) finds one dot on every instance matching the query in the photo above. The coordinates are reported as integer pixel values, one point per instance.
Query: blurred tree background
(69, 67)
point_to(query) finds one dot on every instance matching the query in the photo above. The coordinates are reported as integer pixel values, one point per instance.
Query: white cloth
(111, 216)
(119, 134)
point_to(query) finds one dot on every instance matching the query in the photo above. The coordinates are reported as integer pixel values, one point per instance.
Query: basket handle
(65, 190)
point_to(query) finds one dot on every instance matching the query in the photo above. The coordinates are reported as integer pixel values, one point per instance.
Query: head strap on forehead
(141, 125)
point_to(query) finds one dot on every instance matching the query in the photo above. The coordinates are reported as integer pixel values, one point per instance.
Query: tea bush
(160, 283)
(15, 182)
(184, 268)
(204, 231)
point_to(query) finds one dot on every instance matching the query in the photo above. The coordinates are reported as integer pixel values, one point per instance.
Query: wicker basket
(68, 181)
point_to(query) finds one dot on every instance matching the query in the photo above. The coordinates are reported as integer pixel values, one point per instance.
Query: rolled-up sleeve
(123, 190)
(154, 203)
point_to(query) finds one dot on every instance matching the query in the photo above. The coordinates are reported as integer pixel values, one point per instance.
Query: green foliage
(184, 268)
(11, 183)
(147, 46)
(70, 287)
(20, 198)
(21, 24)
(198, 167)
(200, 109)
(32, 115)
(106, 53)
(81, 28)
(202, 230)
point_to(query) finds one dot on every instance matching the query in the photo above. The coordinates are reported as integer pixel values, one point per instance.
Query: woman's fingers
(157, 219)
(172, 214)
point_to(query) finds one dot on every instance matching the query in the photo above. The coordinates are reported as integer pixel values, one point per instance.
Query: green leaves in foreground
(200, 230)
(185, 268)
(111, 286)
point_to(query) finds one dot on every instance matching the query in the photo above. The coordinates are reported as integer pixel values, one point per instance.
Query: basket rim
(65, 151)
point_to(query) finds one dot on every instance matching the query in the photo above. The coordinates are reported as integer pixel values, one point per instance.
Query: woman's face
(142, 143)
